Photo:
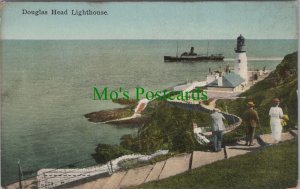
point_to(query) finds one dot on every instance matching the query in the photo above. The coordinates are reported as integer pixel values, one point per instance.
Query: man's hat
(251, 104)
(276, 100)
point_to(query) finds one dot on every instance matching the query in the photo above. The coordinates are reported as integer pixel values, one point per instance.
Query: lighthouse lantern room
(240, 66)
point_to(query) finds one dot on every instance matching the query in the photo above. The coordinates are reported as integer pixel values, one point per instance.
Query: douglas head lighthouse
(240, 66)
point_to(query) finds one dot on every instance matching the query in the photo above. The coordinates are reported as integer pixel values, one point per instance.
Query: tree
(105, 152)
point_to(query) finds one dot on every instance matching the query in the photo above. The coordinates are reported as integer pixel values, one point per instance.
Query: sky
(153, 20)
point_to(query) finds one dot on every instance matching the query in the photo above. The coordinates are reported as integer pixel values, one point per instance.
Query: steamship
(193, 57)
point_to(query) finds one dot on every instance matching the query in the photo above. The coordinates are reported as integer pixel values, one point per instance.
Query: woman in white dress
(275, 120)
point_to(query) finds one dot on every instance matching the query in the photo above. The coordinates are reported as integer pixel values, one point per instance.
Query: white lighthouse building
(231, 81)
(240, 66)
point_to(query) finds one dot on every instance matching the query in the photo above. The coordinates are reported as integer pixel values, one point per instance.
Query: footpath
(179, 164)
(182, 162)
(175, 165)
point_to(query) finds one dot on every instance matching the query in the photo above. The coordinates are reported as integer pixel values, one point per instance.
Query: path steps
(203, 158)
(267, 138)
(175, 165)
(240, 148)
(179, 164)
(114, 181)
(99, 183)
(136, 176)
(154, 174)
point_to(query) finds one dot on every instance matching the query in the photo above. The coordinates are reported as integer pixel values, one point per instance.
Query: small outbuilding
(230, 82)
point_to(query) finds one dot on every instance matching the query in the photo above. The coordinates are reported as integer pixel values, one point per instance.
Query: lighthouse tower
(240, 66)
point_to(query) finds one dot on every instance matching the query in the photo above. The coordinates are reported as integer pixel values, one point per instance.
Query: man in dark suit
(251, 121)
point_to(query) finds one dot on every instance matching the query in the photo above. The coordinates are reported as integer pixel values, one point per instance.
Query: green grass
(281, 83)
(273, 167)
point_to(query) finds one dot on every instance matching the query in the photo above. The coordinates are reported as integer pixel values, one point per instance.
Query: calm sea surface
(47, 88)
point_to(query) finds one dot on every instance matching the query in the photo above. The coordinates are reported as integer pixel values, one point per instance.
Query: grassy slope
(281, 83)
(273, 167)
(169, 128)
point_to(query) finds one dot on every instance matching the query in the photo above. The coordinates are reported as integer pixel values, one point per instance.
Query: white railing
(50, 178)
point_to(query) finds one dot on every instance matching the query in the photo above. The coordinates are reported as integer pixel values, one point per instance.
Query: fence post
(20, 175)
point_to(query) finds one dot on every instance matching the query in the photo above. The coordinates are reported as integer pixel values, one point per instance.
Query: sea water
(47, 89)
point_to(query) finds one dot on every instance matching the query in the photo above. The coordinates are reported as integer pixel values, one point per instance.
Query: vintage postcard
(180, 95)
